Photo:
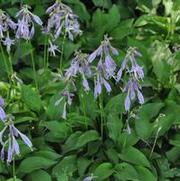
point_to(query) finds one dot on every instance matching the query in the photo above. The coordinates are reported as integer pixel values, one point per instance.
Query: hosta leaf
(30, 164)
(134, 156)
(31, 98)
(87, 137)
(39, 175)
(103, 171)
(82, 164)
(125, 171)
(145, 174)
(68, 164)
(114, 125)
(143, 125)
(70, 143)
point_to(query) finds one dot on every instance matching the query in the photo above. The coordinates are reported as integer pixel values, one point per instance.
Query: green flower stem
(14, 170)
(62, 51)
(5, 63)
(102, 114)
(34, 69)
(46, 63)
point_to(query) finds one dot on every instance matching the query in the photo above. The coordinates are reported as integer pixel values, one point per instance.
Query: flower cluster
(25, 25)
(106, 69)
(6, 24)
(106, 66)
(9, 135)
(81, 66)
(135, 73)
(62, 20)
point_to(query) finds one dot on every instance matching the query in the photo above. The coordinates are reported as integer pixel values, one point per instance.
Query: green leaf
(143, 125)
(121, 32)
(134, 156)
(31, 98)
(58, 130)
(30, 164)
(23, 49)
(125, 171)
(82, 164)
(49, 154)
(114, 125)
(12, 179)
(102, 3)
(55, 111)
(145, 174)
(101, 23)
(70, 143)
(103, 171)
(87, 137)
(115, 104)
(68, 164)
(39, 175)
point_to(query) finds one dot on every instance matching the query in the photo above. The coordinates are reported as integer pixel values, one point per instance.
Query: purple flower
(8, 42)
(53, 49)
(13, 145)
(2, 112)
(25, 25)
(62, 20)
(85, 84)
(132, 88)
(105, 52)
(5, 24)
(79, 65)
(67, 100)
(130, 60)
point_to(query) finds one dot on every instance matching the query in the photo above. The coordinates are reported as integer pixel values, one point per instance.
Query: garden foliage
(90, 90)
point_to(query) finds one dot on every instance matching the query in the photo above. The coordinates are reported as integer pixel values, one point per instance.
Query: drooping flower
(6, 24)
(132, 89)
(62, 20)
(79, 65)
(13, 146)
(2, 112)
(53, 49)
(105, 52)
(131, 66)
(67, 100)
(8, 42)
(25, 25)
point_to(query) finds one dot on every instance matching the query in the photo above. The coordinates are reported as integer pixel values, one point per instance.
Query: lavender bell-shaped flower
(62, 20)
(6, 24)
(25, 25)
(53, 49)
(135, 73)
(67, 100)
(8, 42)
(2, 112)
(79, 65)
(132, 89)
(131, 66)
(11, 142)
(105, 52)
(106, 66)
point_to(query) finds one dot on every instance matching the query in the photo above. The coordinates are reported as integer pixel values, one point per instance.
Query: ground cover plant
(89, 90)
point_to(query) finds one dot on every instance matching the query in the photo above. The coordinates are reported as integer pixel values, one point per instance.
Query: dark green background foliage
(70, 150)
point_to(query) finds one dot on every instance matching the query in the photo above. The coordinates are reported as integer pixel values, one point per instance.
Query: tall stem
(46, 64)
(34, 69)
(102, 116)
(62, 51)
(5, 62)
(14, 170)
